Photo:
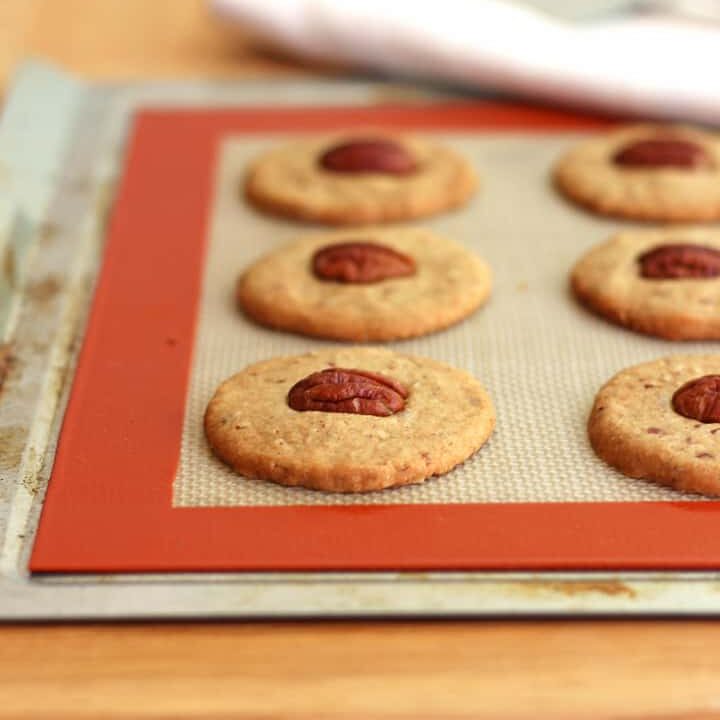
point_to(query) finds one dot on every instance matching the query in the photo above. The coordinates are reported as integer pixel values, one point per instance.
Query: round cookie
(634, 427)
(447, 416)
(646, 172)
(281, 290)
(680, 297)
(424, 178)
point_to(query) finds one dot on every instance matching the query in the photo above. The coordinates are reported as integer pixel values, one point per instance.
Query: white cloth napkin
(637, 64)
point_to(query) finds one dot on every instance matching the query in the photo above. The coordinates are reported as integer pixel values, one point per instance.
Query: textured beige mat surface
(540, 356)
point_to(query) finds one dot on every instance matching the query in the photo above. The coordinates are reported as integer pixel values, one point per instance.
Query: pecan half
(369, 155)
(348, 391)
(360, 262)
(699, 399)
(681, 260)
(663, 152)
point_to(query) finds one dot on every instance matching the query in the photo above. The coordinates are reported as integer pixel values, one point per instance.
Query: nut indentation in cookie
(369, 155)
(360, 262)
(680, 260)
(348, 391)
(662, 152)
(699, 399)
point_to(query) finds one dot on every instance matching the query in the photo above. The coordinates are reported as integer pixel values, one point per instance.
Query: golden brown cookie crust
(288, 181)
(607, 280)
(450, 282)
(588, 175)
(634, 428)
(448, 417)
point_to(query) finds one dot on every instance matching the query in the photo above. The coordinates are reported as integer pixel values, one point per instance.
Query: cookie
(646, 172)
(661, 421)
(659, 282)
(370, 284)
(361, 419)
(360, 179)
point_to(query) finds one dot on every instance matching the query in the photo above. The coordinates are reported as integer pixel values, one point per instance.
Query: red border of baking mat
(108, 506)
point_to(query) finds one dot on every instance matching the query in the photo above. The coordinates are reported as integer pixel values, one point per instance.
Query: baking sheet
(540, 355)
(35, 398)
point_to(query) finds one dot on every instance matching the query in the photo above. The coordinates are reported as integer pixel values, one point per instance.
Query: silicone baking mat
(134, 487)
(540, 355)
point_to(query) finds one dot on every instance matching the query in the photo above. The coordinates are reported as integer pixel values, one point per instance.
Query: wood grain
(129, 39)
(363, 670)
(657, 670)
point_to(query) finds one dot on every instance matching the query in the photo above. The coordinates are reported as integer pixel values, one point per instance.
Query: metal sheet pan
(61, 149)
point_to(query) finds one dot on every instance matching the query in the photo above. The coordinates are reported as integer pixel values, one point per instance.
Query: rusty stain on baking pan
(7, 360)
(612, 588)
(44, 290)
(12, 442)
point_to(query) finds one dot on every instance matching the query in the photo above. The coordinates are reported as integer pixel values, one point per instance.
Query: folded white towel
(640, 65)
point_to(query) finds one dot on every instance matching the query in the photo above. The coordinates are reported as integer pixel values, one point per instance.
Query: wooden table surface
(529, 669)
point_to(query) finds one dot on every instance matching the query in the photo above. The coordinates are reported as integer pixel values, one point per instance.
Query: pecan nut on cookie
(370, 284)
(349, 420)
(646, 172)
(660, 282)
(360, 179)
(661, 421)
